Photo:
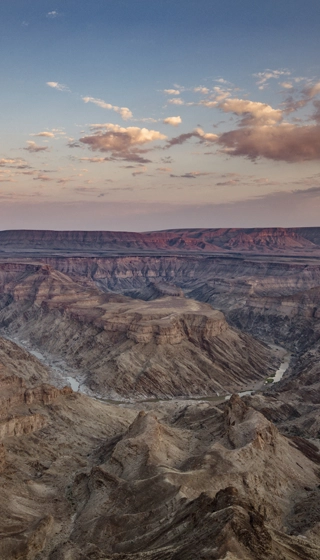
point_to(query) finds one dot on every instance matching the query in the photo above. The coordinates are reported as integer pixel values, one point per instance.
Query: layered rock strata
(171, 346)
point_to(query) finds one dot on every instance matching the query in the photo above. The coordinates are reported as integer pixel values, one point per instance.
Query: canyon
(181, 440)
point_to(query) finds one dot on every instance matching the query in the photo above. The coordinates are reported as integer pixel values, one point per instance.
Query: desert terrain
(160, 395)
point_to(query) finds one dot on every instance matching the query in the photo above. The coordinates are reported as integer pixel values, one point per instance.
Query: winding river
(63, 375)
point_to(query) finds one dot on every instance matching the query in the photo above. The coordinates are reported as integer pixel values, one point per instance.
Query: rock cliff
(170, 346)
(256, 240)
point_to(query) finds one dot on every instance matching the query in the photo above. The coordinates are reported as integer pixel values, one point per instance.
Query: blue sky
(140, 114)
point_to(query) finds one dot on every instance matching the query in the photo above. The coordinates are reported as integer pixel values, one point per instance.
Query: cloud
(34, 148)
(207, 136)
(253, 112)
(94, 159)
(229, 183)
(147, 119)
(176, 101)
(173, 121)
(64, 180)
(286, 85)
(264, 77)
(172, 91)
(218, 96)
(201, 89)
(197, 133)
(52, 15)
(42, 177)
(122, 143)
(316, 115)
(164, 169)
(312, 91)
(141, 171)
(209, 104)
(13, 162)
(125, 113)
(56, 85)
(284, 142)
(45, 134)
(191, 175)
(74, 144)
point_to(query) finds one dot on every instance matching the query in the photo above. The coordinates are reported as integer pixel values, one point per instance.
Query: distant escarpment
(252, 240)
(169, 346)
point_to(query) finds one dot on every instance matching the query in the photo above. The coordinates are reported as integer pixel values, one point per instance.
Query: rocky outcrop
(245, 425)
(44, 394)
(170, 346)
(160, 480)
(162, 489)
(28, 544)
(21, 425)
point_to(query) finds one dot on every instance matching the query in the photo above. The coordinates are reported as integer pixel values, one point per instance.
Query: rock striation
(170, 346)
(156, 477)
(160, 490)
(253, 240)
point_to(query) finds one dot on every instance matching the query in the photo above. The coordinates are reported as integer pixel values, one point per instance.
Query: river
(64, 375)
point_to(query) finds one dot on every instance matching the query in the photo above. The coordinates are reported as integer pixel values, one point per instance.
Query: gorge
(117, 354)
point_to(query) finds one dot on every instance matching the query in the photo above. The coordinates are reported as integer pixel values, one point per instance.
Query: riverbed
(62, 374)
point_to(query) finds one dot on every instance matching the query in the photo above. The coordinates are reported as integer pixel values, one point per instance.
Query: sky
(139, 115)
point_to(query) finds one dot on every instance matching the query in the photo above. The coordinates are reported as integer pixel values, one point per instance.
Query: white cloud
(134, 134)
(45, 134)
(209, 104)
(53, 14)
(254, 112)
(125, 113)
(176, 101)
(208, 136)
(264, 77)
(16, 162)
(286, 85)
(173, 121)
(56, 85)
(172, 91)
(202, 90)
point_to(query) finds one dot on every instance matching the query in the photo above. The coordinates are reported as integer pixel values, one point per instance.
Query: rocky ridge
(256, 240)
(168, 481)
(171, 346)
(162, 479)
